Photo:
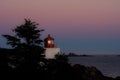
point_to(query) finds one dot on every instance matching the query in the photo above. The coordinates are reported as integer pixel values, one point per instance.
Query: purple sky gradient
(76, 24)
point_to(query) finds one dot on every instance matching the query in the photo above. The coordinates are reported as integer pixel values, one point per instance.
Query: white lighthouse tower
(50, 49)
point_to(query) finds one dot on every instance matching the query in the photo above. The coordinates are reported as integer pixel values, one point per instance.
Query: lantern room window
(49, 41)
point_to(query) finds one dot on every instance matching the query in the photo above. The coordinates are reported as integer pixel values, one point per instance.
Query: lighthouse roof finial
(48, 35)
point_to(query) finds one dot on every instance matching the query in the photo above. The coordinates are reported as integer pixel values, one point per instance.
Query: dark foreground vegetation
(52, 69)
(27, 55)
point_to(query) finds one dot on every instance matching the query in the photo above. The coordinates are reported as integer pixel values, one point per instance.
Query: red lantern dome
(49, 42)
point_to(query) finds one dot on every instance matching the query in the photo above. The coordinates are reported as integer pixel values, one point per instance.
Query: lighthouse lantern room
(50, 49)
(49, 42)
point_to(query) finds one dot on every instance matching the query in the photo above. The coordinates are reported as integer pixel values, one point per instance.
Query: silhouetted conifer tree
(27, 35)
(27, 46)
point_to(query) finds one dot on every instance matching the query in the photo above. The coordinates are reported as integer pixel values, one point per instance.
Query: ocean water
(109, 65)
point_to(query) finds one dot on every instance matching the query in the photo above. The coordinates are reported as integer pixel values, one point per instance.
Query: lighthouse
(50, 48)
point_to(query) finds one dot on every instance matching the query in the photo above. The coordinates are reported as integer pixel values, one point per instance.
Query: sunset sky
(77, 25)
